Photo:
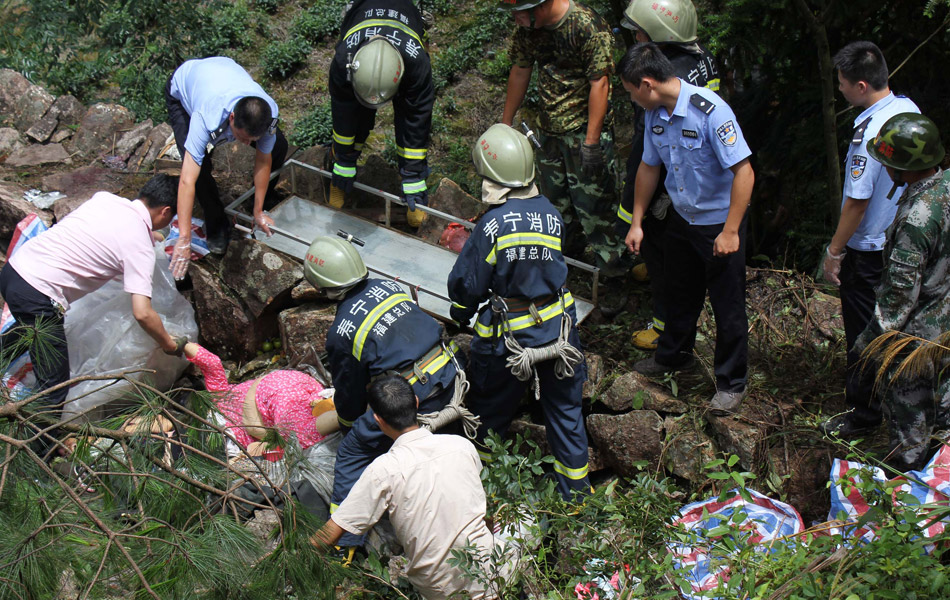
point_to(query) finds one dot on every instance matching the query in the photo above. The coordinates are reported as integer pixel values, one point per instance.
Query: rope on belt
(523, 360)
(455, 409)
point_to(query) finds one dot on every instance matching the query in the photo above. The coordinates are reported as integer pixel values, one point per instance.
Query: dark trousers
(689, 254)
(49, 353)
(206, 190)
(861, 272)
(651, 249)
(496, 394)
(361, 445)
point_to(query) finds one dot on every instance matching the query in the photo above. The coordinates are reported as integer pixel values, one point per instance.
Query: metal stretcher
(422, 268)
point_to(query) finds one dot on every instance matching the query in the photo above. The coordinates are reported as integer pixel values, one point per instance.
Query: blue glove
(417, 198)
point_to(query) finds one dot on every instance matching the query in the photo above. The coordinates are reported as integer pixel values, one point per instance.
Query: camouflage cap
(907, 142)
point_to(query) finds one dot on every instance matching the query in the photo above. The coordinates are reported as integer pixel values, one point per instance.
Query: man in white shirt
(431, 487)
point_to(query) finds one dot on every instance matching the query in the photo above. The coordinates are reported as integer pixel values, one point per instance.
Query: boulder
(628, 438)
(303, 292)
(263, 278)
(538, 434)
(21, 102)
(735, 435)
(380, 175)
(9, 141)
(686, 448)
(144, 157)
(44, 128)
(303, 331)
(595, 374)
(64, 112)
(449, 198)
(79, 185)
(802, 473)
(100, 129)
(61, 135)
(13, 209)
(311, 185)
(224, 326)
(633, 390)
(132, 139)
(37, 154)
(234, 158)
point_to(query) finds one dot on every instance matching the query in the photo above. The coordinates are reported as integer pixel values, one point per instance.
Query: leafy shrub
(319, 21)
(486, 25)
(280, 59)
(267, 6)
(314, 128)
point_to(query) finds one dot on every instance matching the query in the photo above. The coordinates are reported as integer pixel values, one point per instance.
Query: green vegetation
(281, 59)
(314, 128)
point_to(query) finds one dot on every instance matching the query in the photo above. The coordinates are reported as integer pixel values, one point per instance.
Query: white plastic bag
(105, 338)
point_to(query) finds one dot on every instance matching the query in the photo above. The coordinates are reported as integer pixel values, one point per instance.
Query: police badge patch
(658, 129)
(727, 133)
(858, 163)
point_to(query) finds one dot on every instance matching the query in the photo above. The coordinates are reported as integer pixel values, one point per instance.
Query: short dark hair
(392, 399)
(252, 115)
(862, 61)
(160, 191)
(645, 60)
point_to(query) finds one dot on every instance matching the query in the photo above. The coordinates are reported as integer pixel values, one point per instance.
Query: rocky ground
(254, 294)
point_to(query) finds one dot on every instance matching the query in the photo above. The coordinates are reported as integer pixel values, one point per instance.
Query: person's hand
(634, 239)
(417, 198)
(460, 315)
(174, 345)
(181, 258)
(726, 243)
(263, 221)
(592, 159)
(831, 265)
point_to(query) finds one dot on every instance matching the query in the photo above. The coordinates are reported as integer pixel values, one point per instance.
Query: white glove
(831, 266)
(181, 258)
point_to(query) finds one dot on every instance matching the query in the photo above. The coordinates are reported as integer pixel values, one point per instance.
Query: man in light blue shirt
(213, 101)
(854, 259)
(695, 135)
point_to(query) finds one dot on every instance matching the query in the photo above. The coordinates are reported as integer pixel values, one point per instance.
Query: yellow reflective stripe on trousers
(485, 456)
(527, 238)
(411, 153)
(433, 367)
(344, 422)
(523, 322)
(713, 85)
(370, 320)
(342, 139)
(383, 23)
(344, 171)
(414, 187)
(658, 324)
(570, 473)
(624, 215)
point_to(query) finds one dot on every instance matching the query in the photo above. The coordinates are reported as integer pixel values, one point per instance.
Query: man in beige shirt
(430, 486)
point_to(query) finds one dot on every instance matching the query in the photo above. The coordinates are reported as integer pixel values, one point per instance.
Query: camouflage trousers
(587, 204)
(916, 406)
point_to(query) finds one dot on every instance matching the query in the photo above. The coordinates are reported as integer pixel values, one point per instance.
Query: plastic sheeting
(104, 338)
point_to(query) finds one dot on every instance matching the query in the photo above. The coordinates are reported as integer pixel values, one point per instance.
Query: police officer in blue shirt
(212, 101)
(513, 260)
(378, 330)
(854, 259)
(694, 134)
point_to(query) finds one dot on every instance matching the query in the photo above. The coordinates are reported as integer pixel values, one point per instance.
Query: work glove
(460, 315)
(181, 258)
(179, 346)
(417, 198)
(592, 159)
(831, 265)
(344, 176)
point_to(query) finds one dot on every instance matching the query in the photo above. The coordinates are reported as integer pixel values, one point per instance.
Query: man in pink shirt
(105, 238)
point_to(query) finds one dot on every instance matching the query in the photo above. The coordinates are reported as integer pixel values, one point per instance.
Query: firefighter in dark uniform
(671, 25)
(381, 57)
(513, 261)
(378, 330)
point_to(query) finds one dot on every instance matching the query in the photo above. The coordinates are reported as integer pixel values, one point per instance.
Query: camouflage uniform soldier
(573, 49)
(914, 296)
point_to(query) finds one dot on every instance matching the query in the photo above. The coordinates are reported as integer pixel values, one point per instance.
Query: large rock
(148, 151)
(234, 158)
(100, 129)
(79, 185)
(303, 331)
(595, 374)
(9, 141)
(132, 138)
(263, 278)
(737, 436)
(21, 102)
(224, 326)
(13, 209)
(633, 390)
(303, 292)
(449, 198)
(311, 185)
(802, 473)
(627, 439)
(65, 112)
(686, 448)
(538, 434)
(380, 175)
(38, 154)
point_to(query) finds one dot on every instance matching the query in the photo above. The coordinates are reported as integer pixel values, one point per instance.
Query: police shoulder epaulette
(702, 103)
(858, 136)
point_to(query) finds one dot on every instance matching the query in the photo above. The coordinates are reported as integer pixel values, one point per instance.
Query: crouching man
(430, 486)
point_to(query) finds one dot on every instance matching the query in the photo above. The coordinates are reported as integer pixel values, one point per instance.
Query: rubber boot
(415, 217)
(640, 273)
(336, 197)
(646, 339)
